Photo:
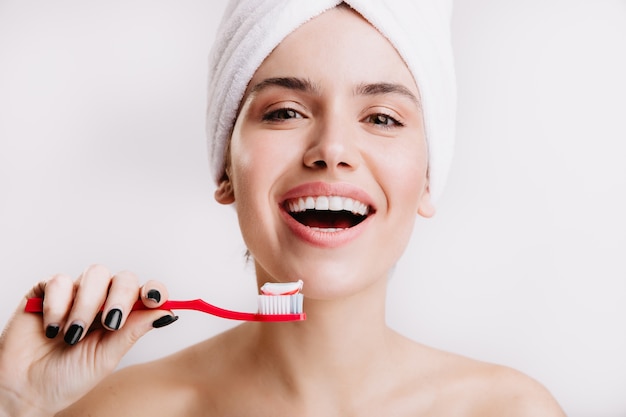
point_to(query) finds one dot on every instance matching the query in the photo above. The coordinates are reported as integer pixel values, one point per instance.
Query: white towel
(418, 29)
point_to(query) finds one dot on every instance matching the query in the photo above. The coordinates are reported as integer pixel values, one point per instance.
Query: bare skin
(259, 375)
(353, 126)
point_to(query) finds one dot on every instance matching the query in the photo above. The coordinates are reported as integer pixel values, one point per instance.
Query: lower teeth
(327, 229)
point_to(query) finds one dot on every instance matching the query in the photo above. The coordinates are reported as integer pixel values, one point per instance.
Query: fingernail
(154, 295)
(52, 331)
(164, 321)
(113, 319)
(73, 334)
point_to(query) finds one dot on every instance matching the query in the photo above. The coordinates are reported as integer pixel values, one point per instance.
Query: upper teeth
(332, 203)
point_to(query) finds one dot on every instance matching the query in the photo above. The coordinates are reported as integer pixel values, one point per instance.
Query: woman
(358, 127)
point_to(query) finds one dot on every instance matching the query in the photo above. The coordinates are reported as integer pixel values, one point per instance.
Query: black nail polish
(113, 319)
(154, 295)
(73, 334)
(164, 321)
(52, 331)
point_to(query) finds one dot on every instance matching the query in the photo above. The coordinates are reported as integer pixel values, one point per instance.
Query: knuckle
(133, 336)
(59, 282)
(134, 333)
(126, 285)
(126, 278)
(96, 272)
(97, 269)
(58, 291)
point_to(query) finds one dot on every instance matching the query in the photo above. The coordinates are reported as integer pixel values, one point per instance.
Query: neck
(339, 344)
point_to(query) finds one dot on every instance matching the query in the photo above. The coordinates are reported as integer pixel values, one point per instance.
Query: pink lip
(316, 237)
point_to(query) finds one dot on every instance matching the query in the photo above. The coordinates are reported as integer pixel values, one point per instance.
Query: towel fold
(418, 29)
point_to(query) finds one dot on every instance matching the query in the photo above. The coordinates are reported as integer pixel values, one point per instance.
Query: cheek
(404, 173)
(254, 168)
(247, 157)
(409, 190)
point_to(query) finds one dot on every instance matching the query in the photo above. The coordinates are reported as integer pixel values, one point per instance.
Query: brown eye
(282, 114)
(383, 120)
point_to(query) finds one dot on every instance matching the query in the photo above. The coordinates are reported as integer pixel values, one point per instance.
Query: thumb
(137, 325)
(153, 294)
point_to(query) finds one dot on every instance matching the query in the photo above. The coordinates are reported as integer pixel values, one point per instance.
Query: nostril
(320, 164)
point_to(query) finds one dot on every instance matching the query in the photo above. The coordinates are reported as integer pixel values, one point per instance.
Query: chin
(329, 281)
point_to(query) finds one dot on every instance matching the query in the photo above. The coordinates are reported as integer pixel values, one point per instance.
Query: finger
(57, 293)
(154, 294)
(123, 293)
(116, 344)
(90, 295)
(38, 290)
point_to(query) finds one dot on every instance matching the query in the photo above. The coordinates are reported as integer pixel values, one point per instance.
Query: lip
(316, 237)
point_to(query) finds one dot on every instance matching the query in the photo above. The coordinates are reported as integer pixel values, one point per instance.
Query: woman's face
(328, 159)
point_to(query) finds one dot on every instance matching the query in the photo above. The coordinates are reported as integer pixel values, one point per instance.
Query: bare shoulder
(495, 390)
(468, 387)
(515, 394)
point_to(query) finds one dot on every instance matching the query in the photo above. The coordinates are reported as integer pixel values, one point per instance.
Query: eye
(281, 114)
(383, 120)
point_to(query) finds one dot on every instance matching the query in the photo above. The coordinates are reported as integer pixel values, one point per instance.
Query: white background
(103, 160)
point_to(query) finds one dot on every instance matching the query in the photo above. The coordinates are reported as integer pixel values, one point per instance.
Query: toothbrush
(278, 298)
(277, 302)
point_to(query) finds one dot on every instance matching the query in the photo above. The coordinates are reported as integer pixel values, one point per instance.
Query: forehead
(338, 48)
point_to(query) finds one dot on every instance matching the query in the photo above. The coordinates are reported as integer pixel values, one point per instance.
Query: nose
(332, 146)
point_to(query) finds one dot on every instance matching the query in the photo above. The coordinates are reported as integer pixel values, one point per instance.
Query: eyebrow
(366, 89)
(291, 83)
(374, 89)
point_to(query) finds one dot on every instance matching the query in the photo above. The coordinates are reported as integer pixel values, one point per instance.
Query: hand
(49, 361)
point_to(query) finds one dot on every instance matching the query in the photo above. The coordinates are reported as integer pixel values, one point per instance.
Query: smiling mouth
(327, 213)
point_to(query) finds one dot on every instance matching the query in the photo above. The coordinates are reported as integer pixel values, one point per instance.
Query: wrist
(12, 405)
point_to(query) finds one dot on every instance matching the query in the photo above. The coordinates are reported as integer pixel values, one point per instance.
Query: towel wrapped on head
(418, 29)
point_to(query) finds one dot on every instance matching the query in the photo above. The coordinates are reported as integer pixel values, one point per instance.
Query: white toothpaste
(281, 288)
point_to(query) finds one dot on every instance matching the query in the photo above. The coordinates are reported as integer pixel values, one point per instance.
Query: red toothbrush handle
(35, 305)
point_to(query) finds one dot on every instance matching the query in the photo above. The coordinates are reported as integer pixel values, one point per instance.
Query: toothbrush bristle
(280, 304)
